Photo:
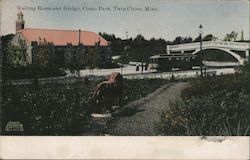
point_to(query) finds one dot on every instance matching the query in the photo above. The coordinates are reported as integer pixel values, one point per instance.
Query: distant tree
(139, 37)
(139, 48)
(178, 40)
(234, 35)
(124, 56)
(92, 57)
(231, 36)
(6, 46)
(208, 37)
(187, 40)
(16, 55)
(197, 39)
(45, 53)
(152, 39)
(6, 42)
(157, 46)
(108, 37)
(182, 40)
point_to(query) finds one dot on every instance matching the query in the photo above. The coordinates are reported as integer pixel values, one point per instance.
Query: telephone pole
(201, 56)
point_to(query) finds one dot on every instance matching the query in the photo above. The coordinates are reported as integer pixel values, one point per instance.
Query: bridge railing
(205, 44)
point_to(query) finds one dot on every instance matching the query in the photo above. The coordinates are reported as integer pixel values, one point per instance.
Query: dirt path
(138, 118)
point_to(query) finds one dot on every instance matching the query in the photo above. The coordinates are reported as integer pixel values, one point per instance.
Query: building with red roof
(62, 40)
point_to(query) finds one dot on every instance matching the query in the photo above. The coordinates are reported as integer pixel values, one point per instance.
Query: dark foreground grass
(59, 109)
(213, 107)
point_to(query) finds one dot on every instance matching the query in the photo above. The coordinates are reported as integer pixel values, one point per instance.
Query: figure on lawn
(108, 94)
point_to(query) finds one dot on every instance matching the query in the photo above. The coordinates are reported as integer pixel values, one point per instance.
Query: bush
(224, 113)
(31, 71)
(110, 66)
(46, 110)
(212, 106)
(209, 85)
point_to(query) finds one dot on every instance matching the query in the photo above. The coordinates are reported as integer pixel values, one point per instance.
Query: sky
(166, 18)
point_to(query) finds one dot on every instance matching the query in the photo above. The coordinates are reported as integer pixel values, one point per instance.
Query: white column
(168, 49)
(247, 53)
(182, 51)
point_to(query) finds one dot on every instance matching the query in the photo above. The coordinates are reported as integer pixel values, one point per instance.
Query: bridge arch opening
(218, 55)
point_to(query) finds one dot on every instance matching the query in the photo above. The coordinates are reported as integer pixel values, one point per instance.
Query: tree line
(139, 48)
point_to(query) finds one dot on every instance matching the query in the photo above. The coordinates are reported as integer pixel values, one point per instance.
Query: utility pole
(53, 61)
(201, 57)
(79, 52)
(1, 53)
(124, 52)
(78, 71)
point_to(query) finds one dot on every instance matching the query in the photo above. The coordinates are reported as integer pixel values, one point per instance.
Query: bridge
(239, 50)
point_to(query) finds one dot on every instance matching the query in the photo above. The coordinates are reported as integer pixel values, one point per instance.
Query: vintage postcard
(134, 79)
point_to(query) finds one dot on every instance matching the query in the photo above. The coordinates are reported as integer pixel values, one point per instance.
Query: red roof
(63, 37)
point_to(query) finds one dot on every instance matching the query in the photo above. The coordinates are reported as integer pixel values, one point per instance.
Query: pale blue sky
(173, 18)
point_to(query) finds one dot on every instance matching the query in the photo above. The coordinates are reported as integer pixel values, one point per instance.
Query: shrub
(222, 113)
(31, 71)
(210, 85)
(47, 110)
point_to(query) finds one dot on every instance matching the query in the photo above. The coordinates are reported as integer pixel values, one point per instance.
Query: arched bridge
(239, 50)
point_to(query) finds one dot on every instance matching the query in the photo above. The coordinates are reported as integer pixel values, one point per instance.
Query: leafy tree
(6, 45)
(208, 37)
(178, 40)
(157, 46)
(181, 40)
(139, 48)
(197, 39)
(92, 57)
(187, 40)
(15, 65)
(16, 55)
(45, 53)
(124, 56)
(139, 38)
(108, 37)
(232, 36)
